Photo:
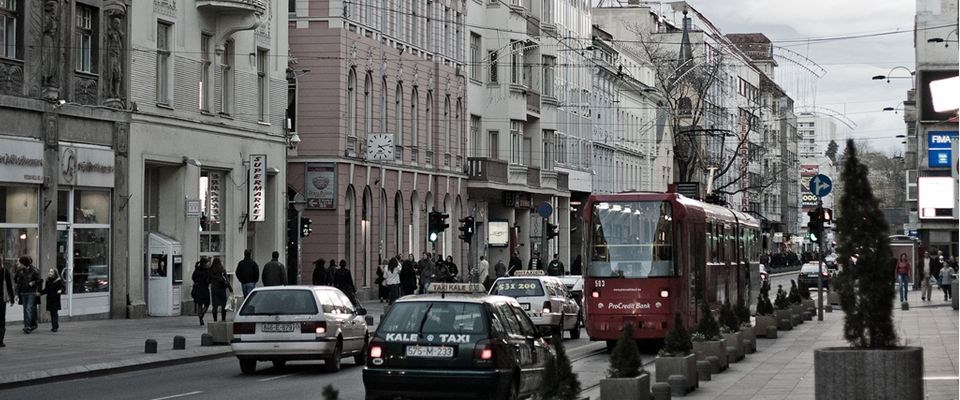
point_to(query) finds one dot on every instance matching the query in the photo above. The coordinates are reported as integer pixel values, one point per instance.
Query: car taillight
(376, 348)
(546, 307)
(664, 293)
(595, 293)
(484, 350)
(244, 328)
(318, 328)
(825, 273)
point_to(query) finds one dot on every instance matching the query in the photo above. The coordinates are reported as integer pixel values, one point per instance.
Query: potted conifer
(746, 328)
(676, 357)
(807, 303)
(707, 340)
(796, 306)
(559, 382)
(875, 365)
(626, 378)
(782, 311)
(765, 316)
(730, 330)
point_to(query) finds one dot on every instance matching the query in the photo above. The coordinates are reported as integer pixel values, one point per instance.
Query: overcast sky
(846, 87)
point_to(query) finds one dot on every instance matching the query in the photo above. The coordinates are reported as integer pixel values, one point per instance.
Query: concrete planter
(796, 312)
(783, 315)
(848, 373)
(686, 366)
(222, 332)
(833, 297)
(717, 348)
(734, 342)
(762, 322)
(809, 305)
(749, 339)
(626, 388)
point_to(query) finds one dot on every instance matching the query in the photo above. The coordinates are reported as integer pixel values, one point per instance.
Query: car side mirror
(362, 311)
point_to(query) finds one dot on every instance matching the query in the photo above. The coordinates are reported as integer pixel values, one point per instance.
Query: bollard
(368, 319)
(206, 339)
(905, 306)
(704, 370)
(807, 316)
(179, 343)
(714, 363)
(771, 332)
(678, 385)
(150, 346)
(785, 325)
(828, 308)
(661, 391)
(732, 355)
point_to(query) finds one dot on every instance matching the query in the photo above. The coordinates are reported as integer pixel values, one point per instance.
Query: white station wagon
(280, 323)
(545, 299)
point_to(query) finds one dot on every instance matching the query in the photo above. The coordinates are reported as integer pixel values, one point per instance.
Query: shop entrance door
(65, 262)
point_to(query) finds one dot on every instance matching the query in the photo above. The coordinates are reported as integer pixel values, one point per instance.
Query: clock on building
(379, 146)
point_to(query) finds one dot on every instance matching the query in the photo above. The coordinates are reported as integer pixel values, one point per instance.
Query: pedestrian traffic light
(466, 228)
(553, 230)
(437, 223)
(293, 229)
(305, 228)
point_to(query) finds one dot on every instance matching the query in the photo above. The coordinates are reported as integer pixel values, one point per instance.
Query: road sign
(821, 185)
(545, 209)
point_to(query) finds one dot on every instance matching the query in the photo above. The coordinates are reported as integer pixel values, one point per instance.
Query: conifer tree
(329, 393)
(559, 381)
(865, 285)
(743, 313)
(708, 326)
(625, 358)
(794, 296)
(728, 318)
(677, 343)
(764, 307)
(804, 290)
(781, 301)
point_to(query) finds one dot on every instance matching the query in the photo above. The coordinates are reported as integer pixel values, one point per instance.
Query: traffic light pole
(544, 240)
(820, 240)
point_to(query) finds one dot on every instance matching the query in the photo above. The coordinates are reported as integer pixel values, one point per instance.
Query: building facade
(380, 93)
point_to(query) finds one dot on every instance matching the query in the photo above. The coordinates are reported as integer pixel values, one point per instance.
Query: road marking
(179, 395)
(273, 378)
(941, 378)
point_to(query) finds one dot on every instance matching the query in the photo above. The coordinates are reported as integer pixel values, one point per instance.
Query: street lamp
(887, 77)
(895, 109)
(945, 40)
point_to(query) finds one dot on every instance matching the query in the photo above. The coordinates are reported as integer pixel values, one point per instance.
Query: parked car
(281, 323)
(447, 345)
(809, 272)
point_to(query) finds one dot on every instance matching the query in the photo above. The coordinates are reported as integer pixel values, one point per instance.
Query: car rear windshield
(280, 302)
(434, 317)
(810, 268)
(518, 288)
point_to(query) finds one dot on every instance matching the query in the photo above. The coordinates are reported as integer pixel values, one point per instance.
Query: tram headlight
(595, 294)
(664, 293)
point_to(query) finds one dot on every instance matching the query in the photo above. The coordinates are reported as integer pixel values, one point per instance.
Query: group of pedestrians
(337, 275)
(936, 271)
(211, 282)
(22, 284)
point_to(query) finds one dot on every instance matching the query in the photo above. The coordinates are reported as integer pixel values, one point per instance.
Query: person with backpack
(219, 285)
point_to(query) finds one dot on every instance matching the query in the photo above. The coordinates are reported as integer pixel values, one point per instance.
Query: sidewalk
(85, 348)
(782, 368)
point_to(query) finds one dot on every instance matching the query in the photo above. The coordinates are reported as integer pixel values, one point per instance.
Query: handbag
(231, 303)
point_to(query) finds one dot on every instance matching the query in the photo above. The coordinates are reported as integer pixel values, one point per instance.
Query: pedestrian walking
(391, 277)
(427, 272)
(516, 263)
(535, 262)
(201, 288)
(453, 270)
(219, 286)
(947, 276)
(936, 263)
(383, 292)
(28, 288)
(7, 296)
(248, 273)
(903, 275)
(483, 270)
(408, 277)
(926, 280)
(53, 287)
(343, 280)
(274, 273)
(500, 270)
(331, 271)
(319, 275)
(556, 266)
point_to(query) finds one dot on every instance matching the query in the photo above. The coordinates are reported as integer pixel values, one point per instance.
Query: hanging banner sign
(213, 189)
(258, 185)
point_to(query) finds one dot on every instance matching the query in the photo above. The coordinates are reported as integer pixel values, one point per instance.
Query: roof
(757, 46)
(477, 298)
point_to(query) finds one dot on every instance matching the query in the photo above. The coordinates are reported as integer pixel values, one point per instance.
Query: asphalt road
(221, 379)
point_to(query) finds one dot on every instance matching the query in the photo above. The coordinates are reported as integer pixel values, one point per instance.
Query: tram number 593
(601, 283)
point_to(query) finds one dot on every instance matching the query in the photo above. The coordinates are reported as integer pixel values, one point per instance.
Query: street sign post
(820, 186)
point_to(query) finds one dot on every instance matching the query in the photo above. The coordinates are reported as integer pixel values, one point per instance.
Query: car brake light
(484, 350)
(376, 348)
(664, 293)
(595, 294)
(318, 328)
(244, 328)
(546, 307)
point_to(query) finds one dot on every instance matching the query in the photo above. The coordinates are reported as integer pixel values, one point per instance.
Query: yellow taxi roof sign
(528, 272)
(468, 288)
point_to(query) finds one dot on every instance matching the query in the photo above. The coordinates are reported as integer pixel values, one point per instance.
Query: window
(263, 85)
(212, 185)
(368, 104)
(474, 135)
(414, 19)
(352, 103)
(414, 117)
(384, 111)
(516, 61)
(548, 11)
(163, 62)
(430, 120)
(204, 85)
(9, 29)
(494, 144)
(86, 34)
(447, 120)
(494, 76)
(226, 78)
(445, 39)
(475, 56)
(549, 63)
(292, 104)
(459, 121)
(292, 6)
(399, 126)
(516, 142)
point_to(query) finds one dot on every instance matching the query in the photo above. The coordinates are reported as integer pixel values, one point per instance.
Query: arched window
(352, 103)
(430, 120)
(398, 221)
(414, 118)
(399, 127)
(384, 111)
(447, 121)
(368, 104)
(459, 128)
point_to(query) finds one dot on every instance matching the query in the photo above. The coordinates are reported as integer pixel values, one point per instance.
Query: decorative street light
(887, 77)
(945, 40)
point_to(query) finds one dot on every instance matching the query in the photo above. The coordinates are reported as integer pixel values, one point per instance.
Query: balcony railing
(446, 159)
(351, 150)
(548, 179)
(533, 177)
(533, 26)
(254, 6)
(517, 175)
(487, 170)
(533, 101)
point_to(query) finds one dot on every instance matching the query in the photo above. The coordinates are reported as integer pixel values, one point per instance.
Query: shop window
(83, 238)
(19, 205)
(91, 255)
(18, 224)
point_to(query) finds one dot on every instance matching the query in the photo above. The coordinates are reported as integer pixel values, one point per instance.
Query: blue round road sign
(821, 185)
(545, 209)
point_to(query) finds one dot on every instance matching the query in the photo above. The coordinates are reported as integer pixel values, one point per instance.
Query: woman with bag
(219, 285)
(201, 288)
(53, 287)
(392, 280)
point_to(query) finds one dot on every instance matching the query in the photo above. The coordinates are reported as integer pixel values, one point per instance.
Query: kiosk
(165, 275)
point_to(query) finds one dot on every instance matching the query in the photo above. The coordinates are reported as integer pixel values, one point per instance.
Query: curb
(113, 367)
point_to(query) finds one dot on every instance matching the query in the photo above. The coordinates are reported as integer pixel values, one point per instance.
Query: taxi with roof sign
(545, 299)
(455, 342)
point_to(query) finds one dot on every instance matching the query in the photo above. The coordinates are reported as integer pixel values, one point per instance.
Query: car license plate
(525, 306)
(276, 327)
(430, 351)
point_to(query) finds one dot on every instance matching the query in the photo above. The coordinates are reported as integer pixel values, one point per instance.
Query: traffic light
(827, 216)
(293, 229)
(437, 223)
(815, 226)
(305, 228)
(553, 230)
(466, 228)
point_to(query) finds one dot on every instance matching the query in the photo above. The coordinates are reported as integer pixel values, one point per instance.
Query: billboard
(807, 171)
(935, 199)
(927, 113)
(938, 148)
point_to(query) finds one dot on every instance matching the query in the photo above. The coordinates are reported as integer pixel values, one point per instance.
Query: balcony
(486, 170)
(533, 177)
(563, 181)
(533, 26)
(233, 6)
(429, 159)
(548, 179)
(517, 175)
(533, 101)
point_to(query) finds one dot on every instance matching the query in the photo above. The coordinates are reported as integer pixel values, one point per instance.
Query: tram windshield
(631, 240)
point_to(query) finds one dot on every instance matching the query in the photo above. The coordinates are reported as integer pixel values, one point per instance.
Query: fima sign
(938, 148)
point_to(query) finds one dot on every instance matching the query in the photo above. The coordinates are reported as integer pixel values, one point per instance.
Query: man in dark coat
(427, 272)
(500, 270)
(28, 287)
(274, 273)
(576, 268)
(516, 263)
(248, 273)
(53, 287)
(556, 266)
(343, 280)
(535, 262)
(408, 277)
(7, 295)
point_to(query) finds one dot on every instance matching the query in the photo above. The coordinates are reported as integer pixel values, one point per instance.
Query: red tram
(653, 254)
